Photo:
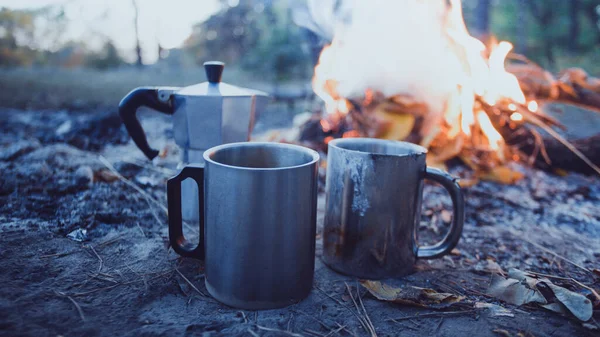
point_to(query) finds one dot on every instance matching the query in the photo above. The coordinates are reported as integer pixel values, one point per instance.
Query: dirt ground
(124, 280)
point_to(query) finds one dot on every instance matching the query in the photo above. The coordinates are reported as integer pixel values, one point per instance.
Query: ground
(123, 279)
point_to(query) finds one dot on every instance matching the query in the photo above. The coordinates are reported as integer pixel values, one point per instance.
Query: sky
(166, 21)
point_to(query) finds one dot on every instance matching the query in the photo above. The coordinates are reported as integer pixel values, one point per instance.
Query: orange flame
(479, 76)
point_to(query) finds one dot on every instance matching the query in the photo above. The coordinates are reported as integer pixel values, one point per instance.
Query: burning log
(573, 86)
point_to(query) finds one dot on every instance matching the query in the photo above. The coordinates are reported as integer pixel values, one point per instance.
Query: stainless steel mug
(258, 207)
(373, 207)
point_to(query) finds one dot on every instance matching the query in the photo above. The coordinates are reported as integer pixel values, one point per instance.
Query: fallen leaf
(503, 175)
(446, 216)
(455, 252)
(502, 332)
(409, 295)
(522, 288)
(514, 291)
(468, 182)
(596, 272)
(494, 309)
(105, 175)
(579, 305)
(397, 126)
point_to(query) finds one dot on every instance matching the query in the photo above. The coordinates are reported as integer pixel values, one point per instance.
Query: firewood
(572, 86)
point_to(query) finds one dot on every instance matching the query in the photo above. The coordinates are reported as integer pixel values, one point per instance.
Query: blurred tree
(138, 48)
(107, 58)
(257, 35)
(16, 33)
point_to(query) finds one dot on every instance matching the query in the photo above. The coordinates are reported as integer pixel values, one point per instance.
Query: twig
(244, 316)
(264, 328)
(132, 185)
(148, 197)
(537, 245)
(79, 311)
(338, 302)
(433, 314)
(290, 321)
(366, 313)
(99, 259)
(190, 283)
(111, 241)
(141, 230)
(364, 321)
(59, 254)
(342, 327)
(588, 288)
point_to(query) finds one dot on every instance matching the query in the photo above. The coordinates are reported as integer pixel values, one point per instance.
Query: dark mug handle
(458, 218)
(180, 245)
(156, 98)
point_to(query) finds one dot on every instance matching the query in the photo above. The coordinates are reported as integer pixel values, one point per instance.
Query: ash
(123, 278)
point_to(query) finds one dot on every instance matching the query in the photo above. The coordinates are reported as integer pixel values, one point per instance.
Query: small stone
(84, 176)
(78, 235)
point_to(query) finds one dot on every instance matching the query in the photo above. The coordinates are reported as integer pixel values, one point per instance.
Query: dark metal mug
(373, 207)
(258, 206)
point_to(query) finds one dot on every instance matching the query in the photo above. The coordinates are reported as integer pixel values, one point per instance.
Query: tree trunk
(574, 28)
(138, 48)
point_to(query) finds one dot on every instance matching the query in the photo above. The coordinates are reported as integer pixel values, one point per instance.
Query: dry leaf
(397, 126)
(409, 295)
(432, 161)
(502, 332)
(446, 216)
(514, 291)
(503, 175)
(455, 252)
(494, 309)
(596, 272)
(521, 288)
(579, 305)
(105, 175)
(467, 182)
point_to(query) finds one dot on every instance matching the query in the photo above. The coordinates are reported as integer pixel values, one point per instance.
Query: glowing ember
(532, 106)
(517, 117)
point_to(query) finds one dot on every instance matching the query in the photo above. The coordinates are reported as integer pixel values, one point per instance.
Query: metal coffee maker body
(204, 115)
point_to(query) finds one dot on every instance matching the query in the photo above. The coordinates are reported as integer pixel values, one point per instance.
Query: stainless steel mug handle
(180, 245)
(458, 202)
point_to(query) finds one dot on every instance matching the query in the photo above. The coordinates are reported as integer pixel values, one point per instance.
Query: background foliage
(259, 37)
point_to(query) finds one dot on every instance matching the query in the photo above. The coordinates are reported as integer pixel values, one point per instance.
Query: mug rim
(414, 148)
(207, 155)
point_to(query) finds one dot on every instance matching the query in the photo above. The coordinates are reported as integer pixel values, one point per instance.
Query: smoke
(391, 46)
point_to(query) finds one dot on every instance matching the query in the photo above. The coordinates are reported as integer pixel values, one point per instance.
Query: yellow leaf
(397, 125)
(468, 182)
(410, 295)
(503, 175)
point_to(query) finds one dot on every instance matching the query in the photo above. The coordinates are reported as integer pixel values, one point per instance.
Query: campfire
(422, 77)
